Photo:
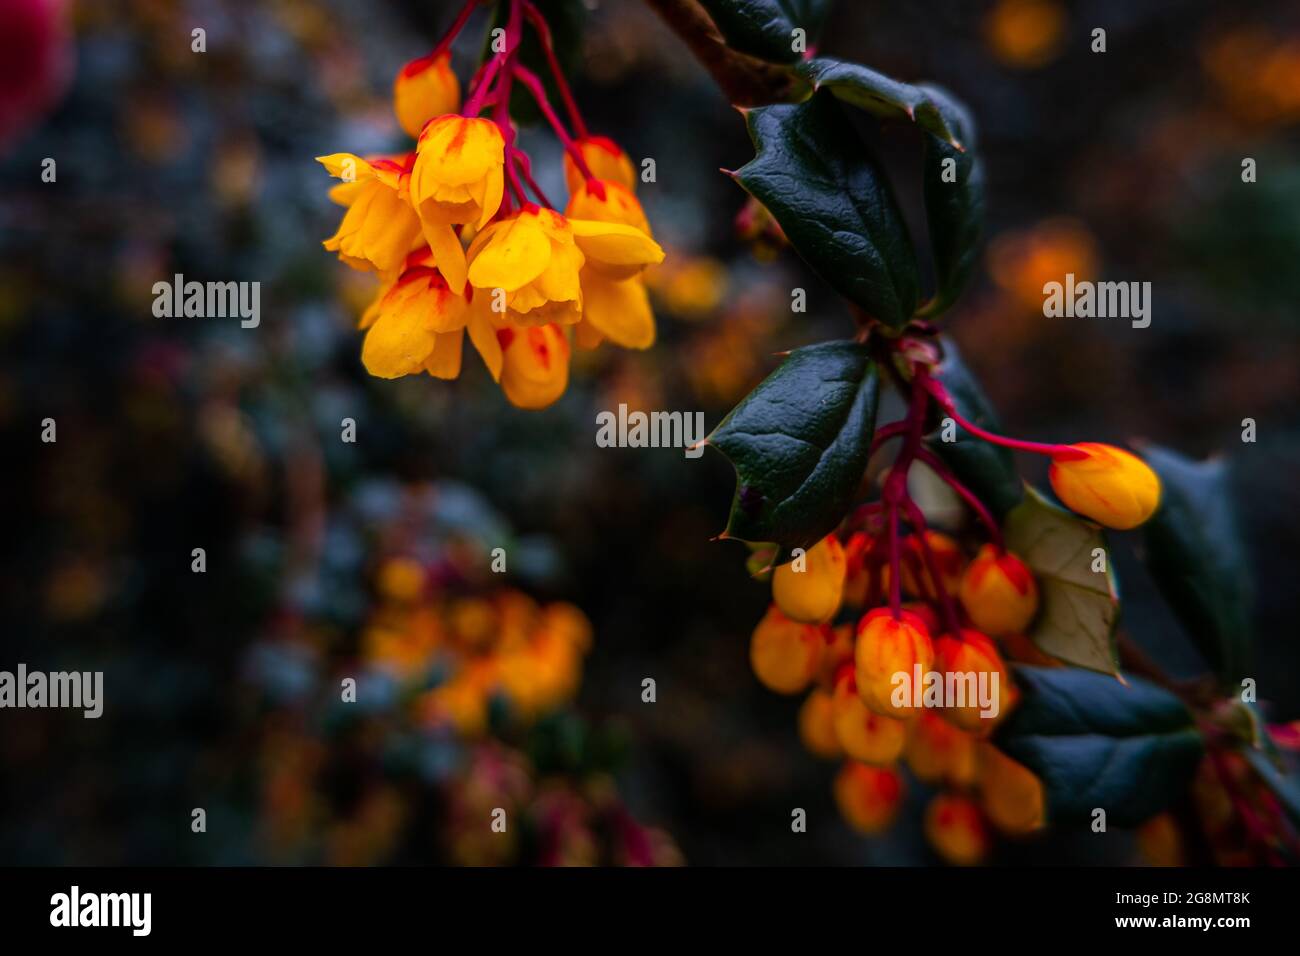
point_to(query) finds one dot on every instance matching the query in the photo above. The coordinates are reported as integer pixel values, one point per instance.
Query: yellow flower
(1108, 485)
(534, 366)
(810, 588)
(415, 325)
(379, 228)
(605, 200)
(999, 593)
(459, 177)
(527, 266)
(614, 308)
(605, 160)
(423, 89)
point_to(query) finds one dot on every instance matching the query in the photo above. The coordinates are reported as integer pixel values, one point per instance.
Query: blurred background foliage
(182, 433)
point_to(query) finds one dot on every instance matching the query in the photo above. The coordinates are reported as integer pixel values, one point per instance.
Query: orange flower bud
(955, 828)
(999, 592)
(425, 88)
(972, 667)
(535, 365)
(810, 587)
(887, 647)
(868, 797)
(605, 160)
(926, 613)
(1010, 794)
(817, 725)
(865, 736)
(1111, 486)
(604, 200)
(915, 573)
(866, 576)
(837, 653)
(938, 752)
(784, 653)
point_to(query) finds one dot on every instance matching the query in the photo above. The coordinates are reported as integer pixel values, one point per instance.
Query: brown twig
(744, 79)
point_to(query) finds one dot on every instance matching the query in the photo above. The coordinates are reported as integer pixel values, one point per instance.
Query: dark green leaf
(1078, 607)
(1129, 748)
(1193, 548)
(765, 28)
(833, 202)
(986, 469)
(885, 97)
(799, 443)
(954, 202)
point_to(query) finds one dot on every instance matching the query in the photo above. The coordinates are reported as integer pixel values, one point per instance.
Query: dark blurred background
(183, 433)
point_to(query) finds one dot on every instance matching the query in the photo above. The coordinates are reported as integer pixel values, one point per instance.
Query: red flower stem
(512, 177)
(501, 112)
(885, 432)
(917, 521)
(894, 493)
(459, 24)
(544, 34)
(1059, 452)
(895, 564)
(966, 495)
(481, 83)
(530, 80)
(526, 169)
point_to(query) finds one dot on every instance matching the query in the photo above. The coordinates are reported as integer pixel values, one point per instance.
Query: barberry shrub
(1019, 597)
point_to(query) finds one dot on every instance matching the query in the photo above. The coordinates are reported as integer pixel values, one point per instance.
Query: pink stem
(530, 80)
(885, 433)
(526, 169)
(461, 19)
(481, 83)
(544, 34)
(895, 564)
(1059, 452)
(966, 495)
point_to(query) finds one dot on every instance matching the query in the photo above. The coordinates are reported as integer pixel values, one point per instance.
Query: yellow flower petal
(484, 336)
(515, 255)
(447, 251)
(395, 346)
(619, 250)
(618, 309)
(445, 360)
(347, 166)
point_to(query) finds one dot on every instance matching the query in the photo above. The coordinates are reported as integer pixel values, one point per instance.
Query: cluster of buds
(463, 239)
(904, 638)
(501, 648)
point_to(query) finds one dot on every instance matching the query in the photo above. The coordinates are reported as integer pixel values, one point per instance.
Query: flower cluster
(869, 613)
(463, 240)
(500, 648)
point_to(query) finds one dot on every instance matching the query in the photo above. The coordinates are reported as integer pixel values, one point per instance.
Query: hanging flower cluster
(927, 606)
(463, 240)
